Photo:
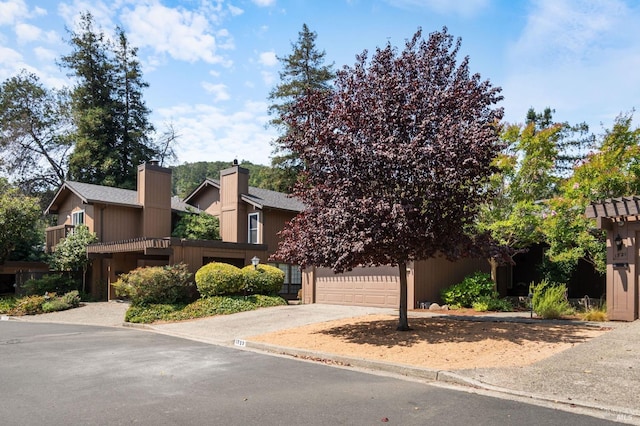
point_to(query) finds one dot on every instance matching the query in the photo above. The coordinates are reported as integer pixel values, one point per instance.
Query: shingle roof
(614, 207)
(261, 198)
(90, 193)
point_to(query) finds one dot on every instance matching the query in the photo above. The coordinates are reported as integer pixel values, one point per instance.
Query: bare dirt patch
(438, 343)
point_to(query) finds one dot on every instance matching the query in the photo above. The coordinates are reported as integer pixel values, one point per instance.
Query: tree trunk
(494, 272)
(403, 324)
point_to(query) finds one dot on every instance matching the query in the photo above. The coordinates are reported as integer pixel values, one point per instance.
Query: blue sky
(212, 63)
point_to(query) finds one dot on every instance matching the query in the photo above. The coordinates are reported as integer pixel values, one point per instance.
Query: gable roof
(614, 207)
(258, 197)
(90, 194)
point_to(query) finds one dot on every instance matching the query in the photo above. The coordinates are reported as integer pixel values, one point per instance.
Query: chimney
(154, 195)
(234, 182)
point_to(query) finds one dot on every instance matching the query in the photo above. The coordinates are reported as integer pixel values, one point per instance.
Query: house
(134, 227)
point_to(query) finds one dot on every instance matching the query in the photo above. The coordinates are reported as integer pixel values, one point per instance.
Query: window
(253, 228)
(77, 218)
(292, 278)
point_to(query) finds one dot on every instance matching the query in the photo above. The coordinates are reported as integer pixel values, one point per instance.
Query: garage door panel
(360, 287)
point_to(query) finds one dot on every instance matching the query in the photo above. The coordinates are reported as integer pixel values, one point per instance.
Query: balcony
(54, 234)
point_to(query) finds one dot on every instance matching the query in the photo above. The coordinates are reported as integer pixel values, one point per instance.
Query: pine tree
(112, 129)
(303, 71)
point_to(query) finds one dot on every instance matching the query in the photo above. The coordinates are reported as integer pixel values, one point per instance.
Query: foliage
(218, 279)
(612, 170)
(209, 306)
(7, 304)
(263, 279)
(594, 314)
(20, 222)
(156, 284)
(29, 305)
(491, 303)
(194, 225)
(71, 252)
(469, 290)
(111, 119)
(550, 300)
(35, 128)
(53, 283)
(397, 158)
(303, 70)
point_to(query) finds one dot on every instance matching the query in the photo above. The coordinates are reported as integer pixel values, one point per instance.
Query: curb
(432, 375)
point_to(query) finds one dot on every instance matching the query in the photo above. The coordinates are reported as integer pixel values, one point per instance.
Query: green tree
(397, 158)
(111, 119)
(71, 252)
(194, 225)
(303, 71)
(21, 228)
(35, 129)
(612, 170)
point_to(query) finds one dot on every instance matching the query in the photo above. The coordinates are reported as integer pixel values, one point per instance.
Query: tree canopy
(303, 70)
(398, 157)
(20, 223)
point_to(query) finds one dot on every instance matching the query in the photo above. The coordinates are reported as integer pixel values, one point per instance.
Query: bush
(29, 305)
(55, 283)
(155, 284)
(550, 300)
(7, 304)
(469, 290)
(265, 279)
(219, 279)
(72, 299)
(491, 303)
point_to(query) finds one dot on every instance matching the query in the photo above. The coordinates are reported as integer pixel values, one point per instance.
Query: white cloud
(208, 133)
(27, 33)
(12, 11)
(45, 55)
(219, 91)
(579, 58)
(235, 11)
(182, 34)
(264, 3)
(465, 8)
(268, 59)
(268, 77)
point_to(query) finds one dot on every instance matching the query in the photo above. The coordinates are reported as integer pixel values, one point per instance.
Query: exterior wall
(272, 222)
(435, 274)
(208, 200)
(114, 223)
(623, 268)
(154, 194)
(362, 286)
(233, 212)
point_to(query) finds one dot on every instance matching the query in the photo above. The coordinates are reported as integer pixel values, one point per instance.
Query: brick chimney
(154, 195)
(234, 182)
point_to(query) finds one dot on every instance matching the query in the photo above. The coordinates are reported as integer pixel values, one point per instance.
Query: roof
(90, 194)
(614, 207)
(258, 197)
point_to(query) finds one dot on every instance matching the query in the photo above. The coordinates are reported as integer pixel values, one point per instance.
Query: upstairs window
(253, 228)
(77, 218)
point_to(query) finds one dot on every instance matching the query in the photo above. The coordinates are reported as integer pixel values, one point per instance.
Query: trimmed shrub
(219, 279)
(54, 305)
(491, 303)
(550, 300)
(469, 290)
(265, 279)
(55, 283)
(155, 284)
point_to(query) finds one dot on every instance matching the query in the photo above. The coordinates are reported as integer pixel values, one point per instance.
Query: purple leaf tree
(397, 157)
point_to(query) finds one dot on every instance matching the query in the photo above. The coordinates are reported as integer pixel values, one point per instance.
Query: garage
(379, 287)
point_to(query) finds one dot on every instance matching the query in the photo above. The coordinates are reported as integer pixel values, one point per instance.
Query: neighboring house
(134, 227)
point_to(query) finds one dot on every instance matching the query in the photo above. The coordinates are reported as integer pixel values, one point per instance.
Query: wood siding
(432, 275)
(154, 194)
(272, 222)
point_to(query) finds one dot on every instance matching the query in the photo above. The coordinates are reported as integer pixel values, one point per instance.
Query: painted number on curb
(240, 342)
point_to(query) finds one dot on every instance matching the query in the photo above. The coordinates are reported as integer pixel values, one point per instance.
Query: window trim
(257, 228)
(74, 215)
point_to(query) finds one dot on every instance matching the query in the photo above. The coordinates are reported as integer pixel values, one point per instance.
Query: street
(71, 374)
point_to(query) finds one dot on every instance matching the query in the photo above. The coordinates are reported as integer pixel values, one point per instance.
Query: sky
(211, 64)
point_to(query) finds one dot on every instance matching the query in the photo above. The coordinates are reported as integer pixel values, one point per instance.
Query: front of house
(134, 227)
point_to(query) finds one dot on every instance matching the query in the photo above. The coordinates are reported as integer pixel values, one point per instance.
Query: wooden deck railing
(54, 234)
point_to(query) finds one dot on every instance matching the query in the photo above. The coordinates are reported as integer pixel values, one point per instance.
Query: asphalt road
(54, 374)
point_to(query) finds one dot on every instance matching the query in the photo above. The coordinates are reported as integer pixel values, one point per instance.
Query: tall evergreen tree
(112, 135)
(303, 71)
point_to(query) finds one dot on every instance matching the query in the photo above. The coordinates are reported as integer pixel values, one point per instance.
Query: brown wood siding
(208, 200)
(378, 287)
(154, 194)
(120, 223)
(433, 275)
(70, 204)
(273, 221)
